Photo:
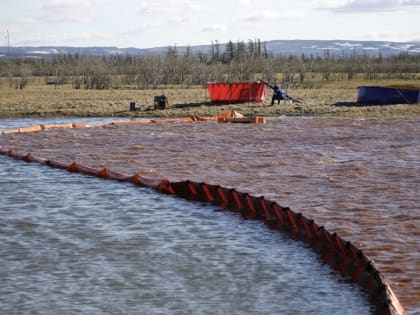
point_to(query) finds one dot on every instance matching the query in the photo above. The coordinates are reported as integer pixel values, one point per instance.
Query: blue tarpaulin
(387, 95)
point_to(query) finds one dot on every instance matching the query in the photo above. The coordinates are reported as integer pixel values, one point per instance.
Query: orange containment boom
(229, 116)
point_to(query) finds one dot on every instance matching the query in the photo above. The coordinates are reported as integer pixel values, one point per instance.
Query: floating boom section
(343, 256)
(223, 117)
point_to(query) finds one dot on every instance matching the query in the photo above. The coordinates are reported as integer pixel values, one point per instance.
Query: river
(357, 177)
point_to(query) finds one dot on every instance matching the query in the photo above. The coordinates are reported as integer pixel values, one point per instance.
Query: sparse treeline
(235, 62)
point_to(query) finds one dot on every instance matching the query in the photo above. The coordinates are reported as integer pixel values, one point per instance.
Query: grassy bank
(333, 99)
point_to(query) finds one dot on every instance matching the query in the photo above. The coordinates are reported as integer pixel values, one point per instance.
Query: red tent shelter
(237, 92)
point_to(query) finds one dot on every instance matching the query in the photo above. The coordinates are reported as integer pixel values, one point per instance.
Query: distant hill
(275, 47)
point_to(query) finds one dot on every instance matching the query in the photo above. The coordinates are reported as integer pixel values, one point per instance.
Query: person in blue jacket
(278, 95)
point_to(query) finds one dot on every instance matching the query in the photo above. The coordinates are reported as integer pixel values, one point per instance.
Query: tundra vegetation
(82, 85)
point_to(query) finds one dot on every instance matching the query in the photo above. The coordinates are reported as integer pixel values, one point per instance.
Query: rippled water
(76, 244)
(7, 124)
(357, 177)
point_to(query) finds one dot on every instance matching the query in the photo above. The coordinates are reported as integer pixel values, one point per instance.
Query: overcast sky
(153, 23)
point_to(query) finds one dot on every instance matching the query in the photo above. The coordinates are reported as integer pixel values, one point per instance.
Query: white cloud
(214, 28)
(65, 11)
(326, 4)
(148, 23)
(147, 28)
(58, 5)
(154, 9)
(179, 20)
(391, 36)
(272, 15)
(244, 2)
(89, 39)
(64, 4)
(169, 6)
(60, 17)
(369, 6)
(61, 11)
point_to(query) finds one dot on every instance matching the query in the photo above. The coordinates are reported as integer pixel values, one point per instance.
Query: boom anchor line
(341, 255)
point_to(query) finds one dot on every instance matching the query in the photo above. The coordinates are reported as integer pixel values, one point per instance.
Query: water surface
(357, 177)
(74, 244)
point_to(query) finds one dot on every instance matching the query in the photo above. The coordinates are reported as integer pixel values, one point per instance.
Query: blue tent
(388, 95)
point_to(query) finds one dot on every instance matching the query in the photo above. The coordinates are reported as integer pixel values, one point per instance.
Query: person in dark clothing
(278, 95)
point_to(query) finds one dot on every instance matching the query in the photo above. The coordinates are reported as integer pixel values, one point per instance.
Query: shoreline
(268, 111)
